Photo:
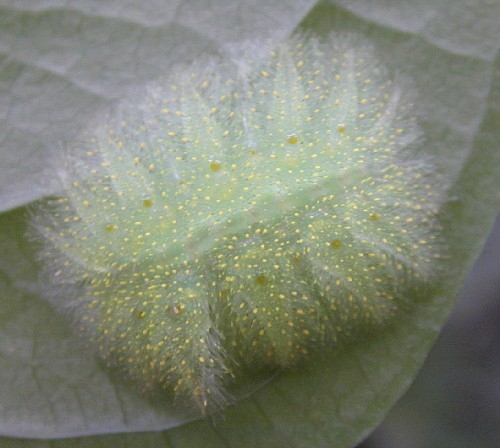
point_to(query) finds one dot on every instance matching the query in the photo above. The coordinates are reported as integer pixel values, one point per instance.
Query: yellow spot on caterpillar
(336, 244)
(261, 279)
(215, 165)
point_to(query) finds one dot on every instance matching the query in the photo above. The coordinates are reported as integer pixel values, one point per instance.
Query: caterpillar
(243, 215)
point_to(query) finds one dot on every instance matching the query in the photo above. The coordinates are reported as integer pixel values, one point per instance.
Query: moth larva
(243, 219)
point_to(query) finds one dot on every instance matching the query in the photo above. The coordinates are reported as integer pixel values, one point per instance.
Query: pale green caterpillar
(243, 215)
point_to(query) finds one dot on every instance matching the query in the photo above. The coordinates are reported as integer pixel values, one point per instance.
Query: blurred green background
(455, 399)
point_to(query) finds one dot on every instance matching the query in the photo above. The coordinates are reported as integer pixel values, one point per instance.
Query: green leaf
(461, 370)
(50, 387)
(64, 62)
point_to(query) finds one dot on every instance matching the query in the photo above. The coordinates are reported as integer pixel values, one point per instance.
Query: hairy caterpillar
(242, 216)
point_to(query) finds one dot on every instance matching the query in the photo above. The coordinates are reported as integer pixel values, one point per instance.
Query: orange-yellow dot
(215, 165)
(341, 128)
(336, 244)
(261, 279)
(292, 139)
(110, 228)
(374, 216)
(147, 203)
(196, 392)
